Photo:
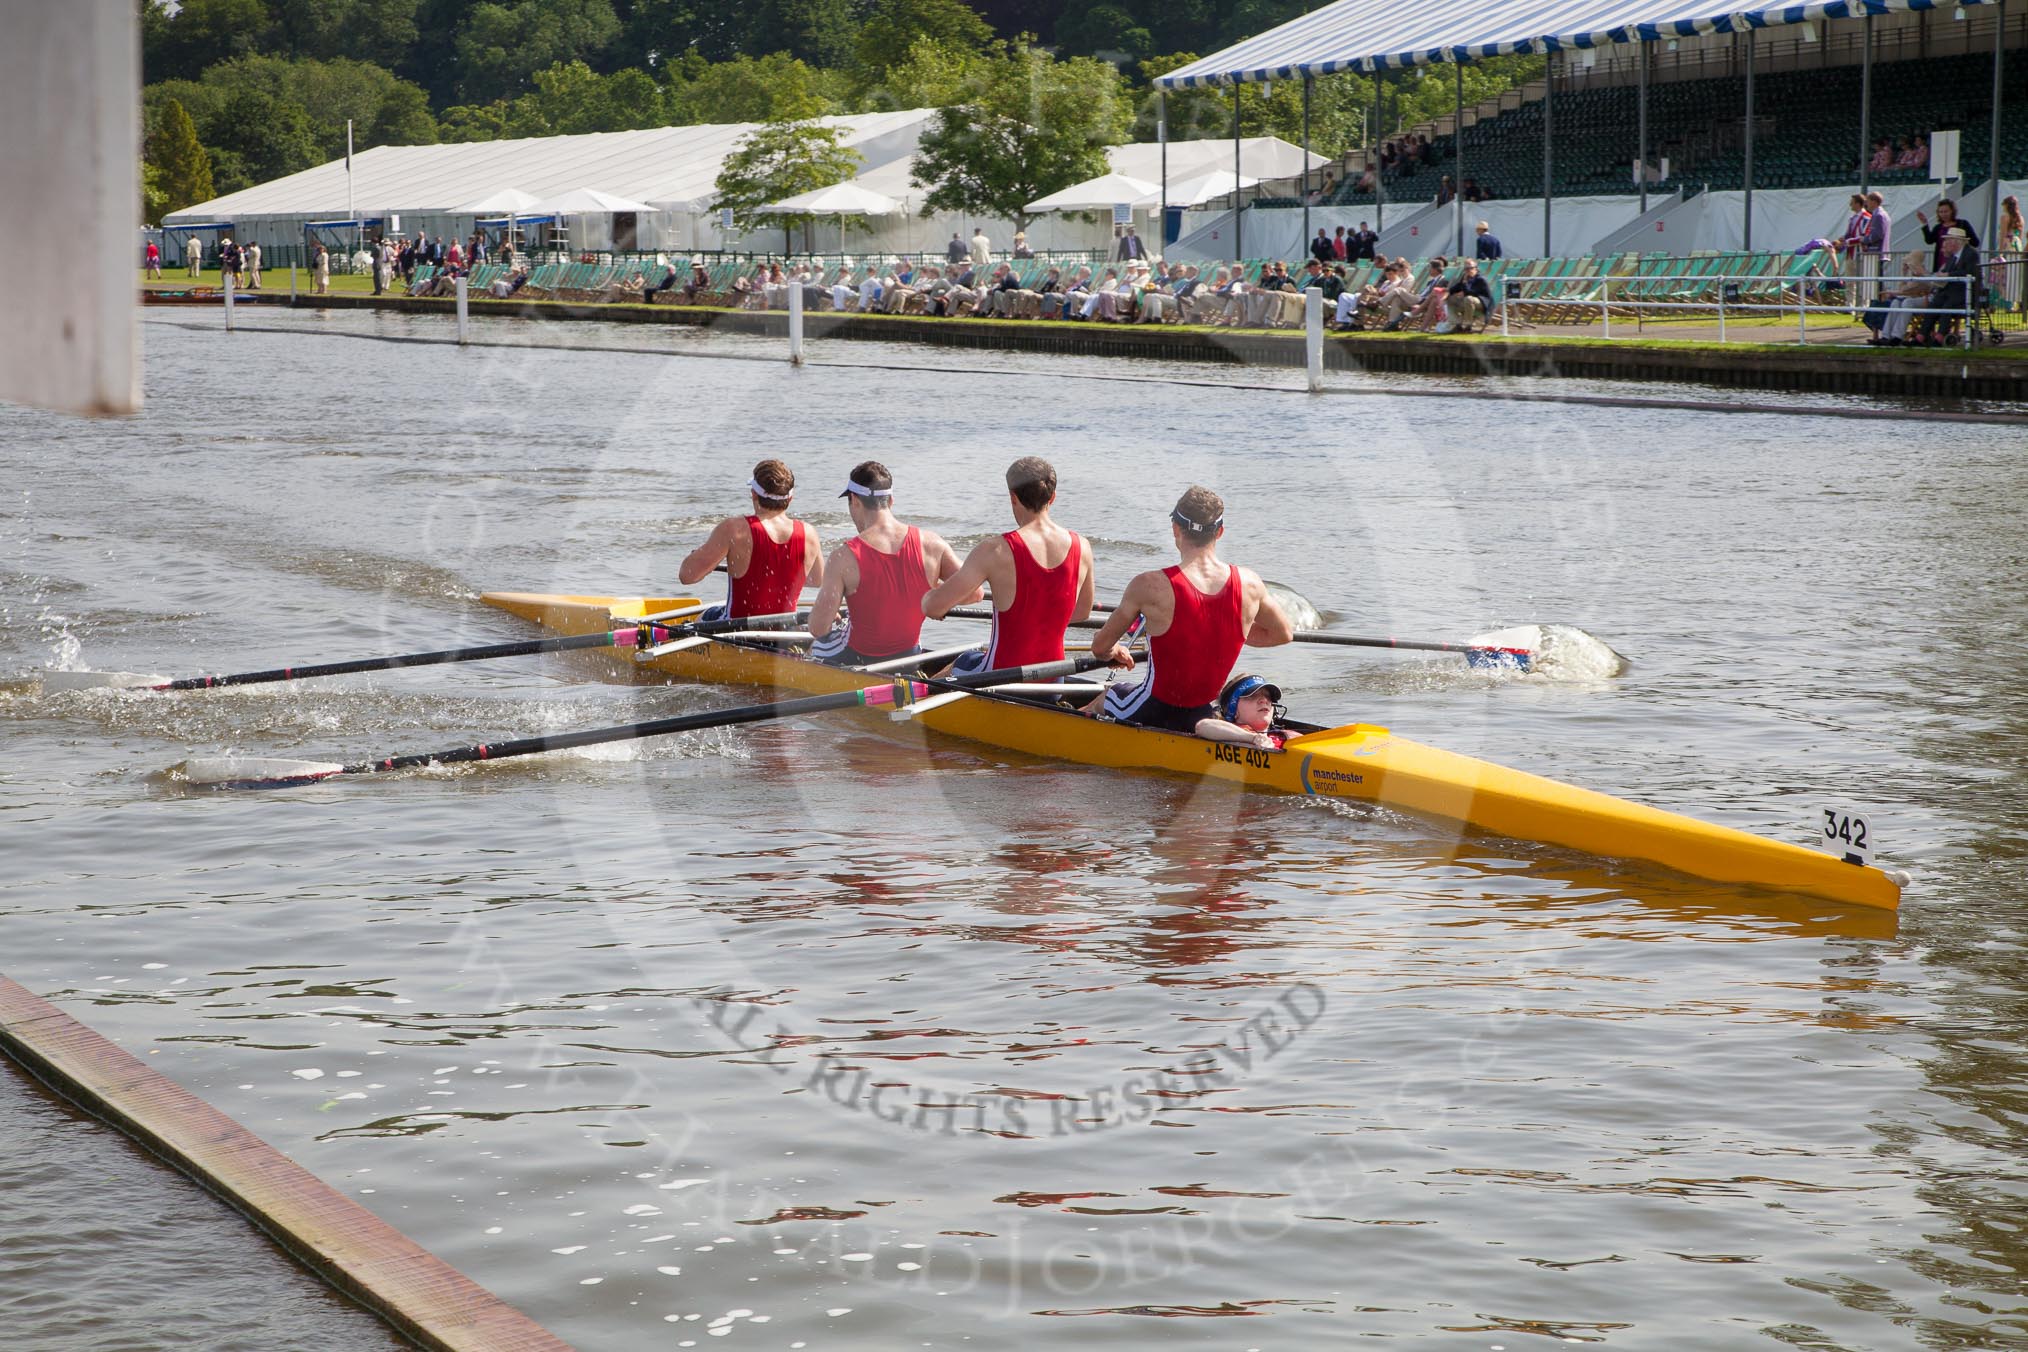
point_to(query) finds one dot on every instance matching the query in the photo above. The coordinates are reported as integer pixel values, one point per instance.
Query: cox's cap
(1239, 687)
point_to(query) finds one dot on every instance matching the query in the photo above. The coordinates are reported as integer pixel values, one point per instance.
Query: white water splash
(1563, 652)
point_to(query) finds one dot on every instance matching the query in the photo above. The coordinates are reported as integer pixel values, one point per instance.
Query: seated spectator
(1920, 146)
(503, 287)
(871, 288)
(698, 285)
(1446, 191)
(1883, 156)
(1060, 304)
(1467, 301)
(1366, 179)
(1230, 297)
(1889, 316)
(1332, 284)
(1472, 192)
(1265, 304)
(1905, 156)
(1158, 303)
(1021, 249)
(1434, 302)
(1960, 266)
(844, 291)
(667, 282)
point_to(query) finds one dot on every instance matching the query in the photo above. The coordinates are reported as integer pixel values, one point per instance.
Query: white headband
(753, 486)
(861, 490)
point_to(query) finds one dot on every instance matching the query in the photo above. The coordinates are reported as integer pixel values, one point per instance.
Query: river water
(822, 1034)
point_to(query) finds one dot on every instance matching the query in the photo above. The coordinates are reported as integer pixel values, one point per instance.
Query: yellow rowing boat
(1360, 762)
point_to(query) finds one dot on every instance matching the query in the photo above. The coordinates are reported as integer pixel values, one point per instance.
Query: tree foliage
(181, 165)
(500, 46)
(777, 160)
(1029, 126)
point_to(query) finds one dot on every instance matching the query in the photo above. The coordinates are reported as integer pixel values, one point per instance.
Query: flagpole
(351, 211)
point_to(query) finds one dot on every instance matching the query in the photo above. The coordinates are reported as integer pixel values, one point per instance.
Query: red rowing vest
(1193, 657)
(887, 609)
(1031, 630)
(773, 581)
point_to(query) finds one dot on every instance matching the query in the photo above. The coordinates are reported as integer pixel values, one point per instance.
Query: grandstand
(1805, 133)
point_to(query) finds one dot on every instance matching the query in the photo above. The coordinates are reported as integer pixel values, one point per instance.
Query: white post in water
(795, 323)
(227, 279)
(292, 283)
(464, 314)
(1313, 337)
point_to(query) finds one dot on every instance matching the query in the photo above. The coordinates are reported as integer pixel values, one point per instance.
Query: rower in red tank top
(881, 574)
(1040, 575)
(1199, 612)
(769, 557)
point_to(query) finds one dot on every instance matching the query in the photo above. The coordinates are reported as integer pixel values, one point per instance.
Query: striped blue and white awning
(1369, 35)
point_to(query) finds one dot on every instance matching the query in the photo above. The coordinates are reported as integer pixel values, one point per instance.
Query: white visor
(753, 486)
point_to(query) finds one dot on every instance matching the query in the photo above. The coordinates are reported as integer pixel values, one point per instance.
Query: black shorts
(1136, 705)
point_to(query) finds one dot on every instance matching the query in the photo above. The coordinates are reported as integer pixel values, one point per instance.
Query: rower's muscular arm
(966, 583)
(841, 575)
(1270, 627)
(1106, 643)
(813, 557)
(1087, 583)
(943, 566)
(707, 556)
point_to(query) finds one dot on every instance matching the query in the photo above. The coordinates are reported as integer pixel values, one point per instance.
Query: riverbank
(1691, 355)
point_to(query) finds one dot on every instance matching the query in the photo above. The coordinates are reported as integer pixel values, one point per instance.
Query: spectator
(1946, 221)
(320, 271)
(955, 251)
(193, 255)
(1467, 301)
(1366, 179)
(871, 288)
(844, 291)
(1960, 263)
(1058, 304)
(1858, 226)
(253, 266)
(1888, 318)
(1434, 300)
(154, 256)
(1446, 191)
(982, 248)
(1130, 247)
(1332, 284)
(1883, 156)
(1487, 245)
(1472, 192)
(1361, 244)
(1339, 245)
(1021, 249)
(667, 283)
(1905, 158)
(1320, 247)
(2004, 273)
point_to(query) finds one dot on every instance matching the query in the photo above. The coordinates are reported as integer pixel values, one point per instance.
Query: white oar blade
(679, 645)
(256, 771)
(924, 706)
(1561, 652)
(59, 682)
(1295, 605)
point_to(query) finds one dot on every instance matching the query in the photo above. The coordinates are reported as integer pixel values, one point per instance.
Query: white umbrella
(1097, 194)
(1201, 188)
(840, 199)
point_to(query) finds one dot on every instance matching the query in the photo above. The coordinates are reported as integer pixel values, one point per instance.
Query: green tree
(929, 75)
(200, 34)
(572, 98)
(817, 31)
(380, 31)
(1101, 28)
(476, 122)
(1340, 108)
(895, 28)
(501, 46)
(1033, 125)
(181, 164)
(774, 88)
(777, 160)
(154, 202)
(260, 136)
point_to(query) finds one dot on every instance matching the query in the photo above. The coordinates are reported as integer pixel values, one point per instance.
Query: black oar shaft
(899, 692)
(528, 646)
(626, 635)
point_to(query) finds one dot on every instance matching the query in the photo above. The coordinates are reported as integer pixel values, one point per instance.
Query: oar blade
(63, 682)
(255, 772)
(1499, 659)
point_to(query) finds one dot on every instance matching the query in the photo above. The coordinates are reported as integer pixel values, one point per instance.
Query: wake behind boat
(1358, 762)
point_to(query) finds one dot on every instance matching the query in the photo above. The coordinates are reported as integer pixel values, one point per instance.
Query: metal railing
(1723, 295)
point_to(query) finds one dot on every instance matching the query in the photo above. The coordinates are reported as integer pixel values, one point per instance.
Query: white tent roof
(1096, 194)
(1201, 188)
(672, 168)
(503, 202)
(587, 202)
(1260, 157)
(1380, 34)
(840, 199)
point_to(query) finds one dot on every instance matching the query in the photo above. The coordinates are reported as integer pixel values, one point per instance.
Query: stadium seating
(1806, 132)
